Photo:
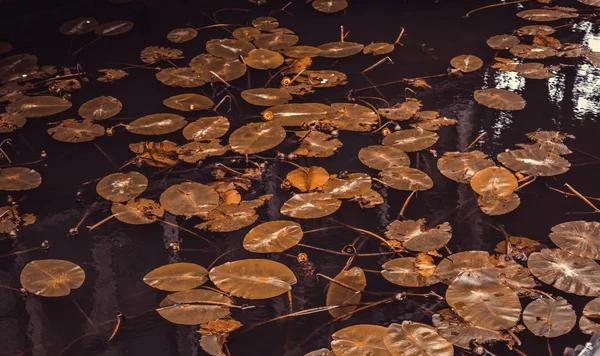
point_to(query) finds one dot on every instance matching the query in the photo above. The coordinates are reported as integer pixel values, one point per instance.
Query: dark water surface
(116, 256)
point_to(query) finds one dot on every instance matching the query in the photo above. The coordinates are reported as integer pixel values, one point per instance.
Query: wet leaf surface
(51, 278)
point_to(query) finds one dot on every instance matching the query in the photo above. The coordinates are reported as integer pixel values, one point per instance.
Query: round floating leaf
(307, 179)
(181, 35)
(316, 144)
(100, 108)
(113, 28)
(532, 51)
(544, 15)
(194, 307)
(534, 71)
(302, 51)
(461, 333)
(184, 77)
(296, 114)
(549, 317)
(379, 48)
(232, 217)
(189, 199)
(266, 96)
(256, 137)
(340, 295)
(414, 235)
(329, 6)
(253, 278)
(265, 23)
(176, 277)
(500, 99)
(275, 41)
(206, 128)
(188, 102)
(536, 30)
(310, 206)
(76, 131)
(462, 166)
(591, 312)
(550, 141)
(39, 106)
(493, 205)
(411, 140)
(501, 42)
(263, 59)
(19, 178)
(403, 111)
(360, 340)
(466, 63)
(229, 48)
(567, 272)
(416, 339)
(153, 54)
(120, 187)
(156, 124)
(78, 26)
(51, 278)
(484, 302)
(353, 117)
(495, 181)
(246, 33)
(227, 69)
(405, 272)
(536, 162)
(138, 211)
(405, 178)
(348, 187)
(383, 157)
(340, 49)
(273, 236)
(581, 238)
(195, 151)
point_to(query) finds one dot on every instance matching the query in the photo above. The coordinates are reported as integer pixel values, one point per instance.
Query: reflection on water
(586, 89)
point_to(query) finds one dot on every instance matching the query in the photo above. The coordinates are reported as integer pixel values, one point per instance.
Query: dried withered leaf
(176, 277)
(567, 272)
(273, 236)
(138, 211)
(500, 99)
(113, 28)
(194, 307)
(310, 205)
(462, 166)
(196, 151)
(534, 161)
(156, 124)
(340, 295)
(411, 140)
(265, 23)
(417, 339)
(229, 48)
(431, 121)
(466, 63)
(484, 301)
(501, 42)
(549, 317)
(340, 49)
(226, 68)
(360, 340)
(532, 51)
(184, 77)
(382, 157)
(588, 321)
(51, 278)
(19, 178)
(120, 187)
(405, 272)
(188, 102)
(407, 179)
(189, 198)
(212, 345)
(369, 199)
(153, 54)
(206, 128)
(219, 327)
(232, 217)
(414, 235)
(156, 154)
(353, 117)
(520, 247)
(296, 65)
(581, 238)
(78, 26)
(39, 106)
(323, 78)
(329, 6)
(535, 30)
(256, 137)
(100, 108)
(76, 131)
(10, 122)
(349, 186)
(253, 278)
(181, 35)
(495, 205)
(403, 111)
(473, 263)
(307, 179)
(111, 75)
(551, 141)
(495, 181)
(462, 333)
(11, 220)
(266, 96)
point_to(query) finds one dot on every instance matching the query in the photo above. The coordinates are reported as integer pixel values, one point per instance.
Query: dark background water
(116, 256)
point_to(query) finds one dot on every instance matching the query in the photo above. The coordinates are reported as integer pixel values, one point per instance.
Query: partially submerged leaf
(188, 102)
(113, 28)
(232, 217)
(462, 166)
(462, 333)
(353, 117)
(76, 131)
(329, 6)
(340, 295)
(495, 205)
(78, 26)
(138, 211)
(317, 144)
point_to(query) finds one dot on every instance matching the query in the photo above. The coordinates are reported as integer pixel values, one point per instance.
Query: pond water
(116, 256)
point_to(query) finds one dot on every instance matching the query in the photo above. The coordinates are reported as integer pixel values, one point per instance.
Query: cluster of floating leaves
(484, 290)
